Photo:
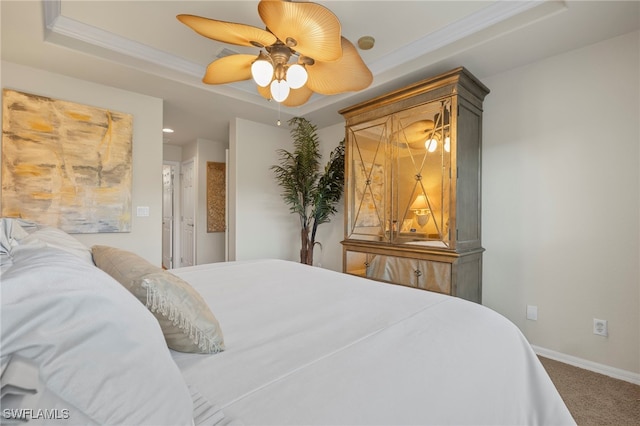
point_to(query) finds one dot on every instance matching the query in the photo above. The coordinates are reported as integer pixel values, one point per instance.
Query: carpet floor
(594, 399)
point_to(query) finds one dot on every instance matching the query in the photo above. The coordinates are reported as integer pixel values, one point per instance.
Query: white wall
(171, 153)
(263, 225)
(145, 236)
(210, 245)
(330, 234)
(261, 221)
(561, 192)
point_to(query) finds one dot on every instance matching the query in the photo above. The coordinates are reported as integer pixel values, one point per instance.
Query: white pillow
(18, 234)
(95, 345)
(48, 236)
(11, 232)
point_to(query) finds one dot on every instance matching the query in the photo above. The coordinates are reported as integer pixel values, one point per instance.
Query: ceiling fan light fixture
(279, 90)
(447, 144)
(327, 63)
(296, 76)
(262, 70)
(431, 144)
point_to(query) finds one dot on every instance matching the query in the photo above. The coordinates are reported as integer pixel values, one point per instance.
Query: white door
(188, 225)
(168, 172)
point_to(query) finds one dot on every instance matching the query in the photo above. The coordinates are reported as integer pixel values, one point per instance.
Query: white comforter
(311, 346)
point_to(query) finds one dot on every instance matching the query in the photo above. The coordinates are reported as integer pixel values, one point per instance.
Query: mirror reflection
(369, 183)
(400, 186)
(422, 180)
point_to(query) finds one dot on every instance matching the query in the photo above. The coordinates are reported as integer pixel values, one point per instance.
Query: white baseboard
(616, 373)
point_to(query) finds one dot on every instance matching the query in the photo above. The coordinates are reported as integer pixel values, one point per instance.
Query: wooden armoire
(413, 180)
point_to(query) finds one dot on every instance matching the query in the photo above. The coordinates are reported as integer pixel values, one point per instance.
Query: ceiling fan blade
(348, 74)
(265, 92)
(298, 97)
(229, 69)
(315, 29)
(228, 32)
(416, 132)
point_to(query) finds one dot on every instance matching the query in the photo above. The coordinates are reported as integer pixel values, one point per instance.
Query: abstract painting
(65, 164)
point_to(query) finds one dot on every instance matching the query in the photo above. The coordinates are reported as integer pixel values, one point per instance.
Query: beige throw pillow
(126, 267)
(187, 322)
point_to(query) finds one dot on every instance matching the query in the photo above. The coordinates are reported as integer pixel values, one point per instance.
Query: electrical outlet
(532, 313)
(600, 327)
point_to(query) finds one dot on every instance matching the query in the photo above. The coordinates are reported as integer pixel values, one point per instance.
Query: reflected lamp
(421, 209)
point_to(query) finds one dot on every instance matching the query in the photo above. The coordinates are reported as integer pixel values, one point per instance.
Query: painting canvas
(65, 164)
(369, 179)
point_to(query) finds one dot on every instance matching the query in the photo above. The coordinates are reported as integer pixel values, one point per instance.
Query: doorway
(170, 210)
(188, 213)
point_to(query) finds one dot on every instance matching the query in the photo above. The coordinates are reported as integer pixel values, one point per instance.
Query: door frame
(192, 160)
(177, 211)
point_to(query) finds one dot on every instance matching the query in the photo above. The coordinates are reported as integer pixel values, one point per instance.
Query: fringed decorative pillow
(126, 267)
(186, 321)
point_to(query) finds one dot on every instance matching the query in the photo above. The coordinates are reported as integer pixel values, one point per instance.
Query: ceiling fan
(302, 51)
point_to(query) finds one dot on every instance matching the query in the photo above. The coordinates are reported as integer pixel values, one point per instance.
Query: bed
(258, 342)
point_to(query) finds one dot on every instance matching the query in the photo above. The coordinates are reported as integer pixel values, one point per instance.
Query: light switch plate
(532, 313)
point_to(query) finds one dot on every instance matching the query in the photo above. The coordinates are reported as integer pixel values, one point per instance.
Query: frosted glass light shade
(296, 76)
(262, 72)
(279, 90)
(431, 144)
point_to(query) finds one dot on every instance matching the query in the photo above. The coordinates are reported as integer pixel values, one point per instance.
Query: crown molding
(140, 56)
(59, 24)
(497, 12)
(52, 9)
(484, 18)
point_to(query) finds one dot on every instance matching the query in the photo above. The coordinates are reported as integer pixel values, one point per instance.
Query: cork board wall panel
(216, 196)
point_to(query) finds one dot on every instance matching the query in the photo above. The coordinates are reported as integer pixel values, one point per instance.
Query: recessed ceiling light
(167, 130)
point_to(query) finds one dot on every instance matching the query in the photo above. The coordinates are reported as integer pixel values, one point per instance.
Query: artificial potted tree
(312, 194)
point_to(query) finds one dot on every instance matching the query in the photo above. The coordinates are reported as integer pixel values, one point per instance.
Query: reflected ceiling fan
(302, 51)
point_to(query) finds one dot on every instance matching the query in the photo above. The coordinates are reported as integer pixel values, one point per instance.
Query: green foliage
(308, 192)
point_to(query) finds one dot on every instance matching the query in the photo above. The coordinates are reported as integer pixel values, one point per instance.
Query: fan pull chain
(278, 122)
